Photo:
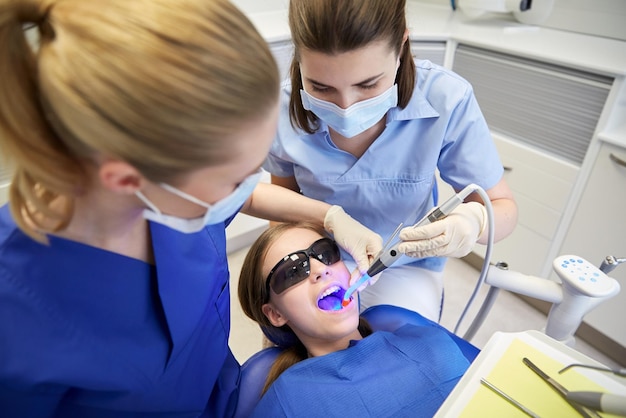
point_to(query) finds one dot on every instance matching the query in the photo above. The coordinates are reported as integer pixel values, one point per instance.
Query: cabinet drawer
(541, 185)
(434, 51)
(524, 250)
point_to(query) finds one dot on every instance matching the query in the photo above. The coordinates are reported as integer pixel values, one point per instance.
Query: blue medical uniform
(85, 332)
(406, 373)
(441, 128)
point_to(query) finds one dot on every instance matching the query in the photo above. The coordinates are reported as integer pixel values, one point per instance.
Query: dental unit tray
(501, 363)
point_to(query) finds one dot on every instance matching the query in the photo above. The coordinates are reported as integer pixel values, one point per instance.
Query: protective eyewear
(296, 267)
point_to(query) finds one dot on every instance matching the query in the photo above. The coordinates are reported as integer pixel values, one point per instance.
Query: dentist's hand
(362, 243)
(453, 236)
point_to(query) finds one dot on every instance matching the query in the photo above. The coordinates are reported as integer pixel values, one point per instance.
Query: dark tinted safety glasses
(295, 267)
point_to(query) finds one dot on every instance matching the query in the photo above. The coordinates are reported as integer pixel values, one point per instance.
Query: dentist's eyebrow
(366, 81)
(369, 80)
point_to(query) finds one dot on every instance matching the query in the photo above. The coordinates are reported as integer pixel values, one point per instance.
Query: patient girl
(291, 284)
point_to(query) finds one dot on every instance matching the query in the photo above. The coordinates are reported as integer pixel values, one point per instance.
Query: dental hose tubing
(488, 302)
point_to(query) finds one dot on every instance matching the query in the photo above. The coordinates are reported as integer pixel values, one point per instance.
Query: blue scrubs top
(91, 333)
(442, 128)
(406, 373)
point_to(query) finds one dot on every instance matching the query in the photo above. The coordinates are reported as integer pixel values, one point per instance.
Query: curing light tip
(347, 297)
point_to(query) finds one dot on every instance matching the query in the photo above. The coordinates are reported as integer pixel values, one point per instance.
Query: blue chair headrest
(282, 337)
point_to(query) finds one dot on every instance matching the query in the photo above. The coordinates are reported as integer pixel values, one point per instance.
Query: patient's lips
(330, 299)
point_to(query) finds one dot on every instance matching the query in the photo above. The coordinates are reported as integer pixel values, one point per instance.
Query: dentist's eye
(319, 89)
(369, 86)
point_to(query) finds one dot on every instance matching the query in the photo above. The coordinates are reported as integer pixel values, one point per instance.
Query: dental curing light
(346, 297)
(389, 255)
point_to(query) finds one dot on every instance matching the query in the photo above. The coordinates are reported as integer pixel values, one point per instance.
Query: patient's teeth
(329, 291)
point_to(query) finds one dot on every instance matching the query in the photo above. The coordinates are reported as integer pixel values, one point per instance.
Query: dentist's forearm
(276, 203)
(505, 219)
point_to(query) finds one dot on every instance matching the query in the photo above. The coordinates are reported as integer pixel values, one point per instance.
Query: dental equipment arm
(583, 287)
(610, 262)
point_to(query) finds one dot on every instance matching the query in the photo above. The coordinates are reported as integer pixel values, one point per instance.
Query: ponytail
(406, 75)
(38, 200)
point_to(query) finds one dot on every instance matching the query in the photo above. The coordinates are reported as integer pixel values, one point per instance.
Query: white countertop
(438, 23)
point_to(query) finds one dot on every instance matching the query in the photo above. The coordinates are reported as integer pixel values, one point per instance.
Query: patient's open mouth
(330, 300)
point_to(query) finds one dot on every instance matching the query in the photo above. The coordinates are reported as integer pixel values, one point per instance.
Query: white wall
(255, 6)
(594, 17)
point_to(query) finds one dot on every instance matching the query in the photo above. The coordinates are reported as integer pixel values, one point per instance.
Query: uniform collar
(418, 108)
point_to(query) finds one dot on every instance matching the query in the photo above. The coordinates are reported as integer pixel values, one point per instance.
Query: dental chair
(381, 318)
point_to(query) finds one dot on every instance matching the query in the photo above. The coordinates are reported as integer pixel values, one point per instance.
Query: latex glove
(362, 243)
(453, 236)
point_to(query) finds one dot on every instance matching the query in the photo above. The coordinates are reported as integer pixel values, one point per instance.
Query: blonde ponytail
(25, 135)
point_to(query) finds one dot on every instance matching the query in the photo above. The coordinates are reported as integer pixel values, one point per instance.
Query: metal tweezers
(585, 412)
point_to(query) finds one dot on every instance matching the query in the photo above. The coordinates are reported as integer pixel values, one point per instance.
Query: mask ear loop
(184, 195)
(148, 203)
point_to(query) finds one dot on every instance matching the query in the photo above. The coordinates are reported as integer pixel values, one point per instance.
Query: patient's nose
(319, 270)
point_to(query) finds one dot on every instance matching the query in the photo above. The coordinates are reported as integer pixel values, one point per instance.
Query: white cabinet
(543, 118)
(434, 51)
(541, 185)
(598, 229)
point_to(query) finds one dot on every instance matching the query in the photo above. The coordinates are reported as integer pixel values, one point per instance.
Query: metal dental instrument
(585, 412)
(618, 372)
(509, 399)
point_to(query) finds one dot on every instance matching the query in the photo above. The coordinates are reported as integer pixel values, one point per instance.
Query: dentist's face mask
(355, 119)
(215, 213)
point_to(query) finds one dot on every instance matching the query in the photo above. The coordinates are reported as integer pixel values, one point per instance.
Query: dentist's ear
(273, 315)
(119, 176)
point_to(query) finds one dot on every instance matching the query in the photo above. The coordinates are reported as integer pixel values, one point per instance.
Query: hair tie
(35, 14)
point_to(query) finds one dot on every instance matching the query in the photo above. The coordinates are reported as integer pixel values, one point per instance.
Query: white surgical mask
(215, 213)
(356, 118)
